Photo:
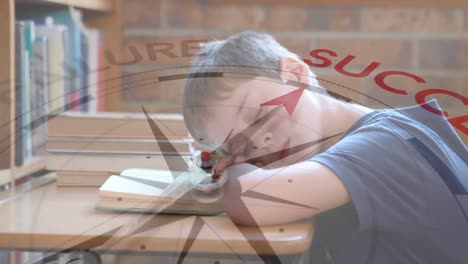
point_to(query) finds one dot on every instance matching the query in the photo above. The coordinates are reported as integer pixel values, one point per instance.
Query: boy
(388, 186)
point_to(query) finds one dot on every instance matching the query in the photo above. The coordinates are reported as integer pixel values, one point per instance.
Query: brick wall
(430, 42)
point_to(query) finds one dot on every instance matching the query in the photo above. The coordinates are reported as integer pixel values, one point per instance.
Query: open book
(146, 190)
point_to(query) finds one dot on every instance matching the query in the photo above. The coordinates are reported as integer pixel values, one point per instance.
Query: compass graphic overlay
(103, 238)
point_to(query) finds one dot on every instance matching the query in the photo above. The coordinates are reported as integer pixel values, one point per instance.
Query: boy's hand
(222, 163)
(231, 152)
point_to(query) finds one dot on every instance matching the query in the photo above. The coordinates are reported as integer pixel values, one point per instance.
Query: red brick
(141, 13)
(184, 13)
(464, 88)
(444, 54)
(298, 45)
(286, 18)
(290, 18)
(343, 85)
(151, 107)
(180, 49)
(449, 84)
(335, 19)
(438, 81)
(412, 87)
(141, 86)
(174, 91)
(388, 52)
(225, 17)
(413, 20)
(377, 97)
(196, 14)
(180, 55)
(465, 18)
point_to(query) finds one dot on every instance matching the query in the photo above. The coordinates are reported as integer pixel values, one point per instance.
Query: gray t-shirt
(407, 174)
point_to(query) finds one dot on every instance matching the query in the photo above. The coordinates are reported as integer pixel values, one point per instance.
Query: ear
(295, 70)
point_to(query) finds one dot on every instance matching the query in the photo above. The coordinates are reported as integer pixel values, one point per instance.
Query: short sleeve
(383, 176)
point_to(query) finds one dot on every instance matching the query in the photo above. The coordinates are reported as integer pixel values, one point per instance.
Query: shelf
(105, 15)
(33, 165)
(5, 176)
(92, 5)
(30, 167)
(32, 184)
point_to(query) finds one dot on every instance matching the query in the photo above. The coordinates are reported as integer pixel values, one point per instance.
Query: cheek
(217, 128)
(282, 128)
(214, 135)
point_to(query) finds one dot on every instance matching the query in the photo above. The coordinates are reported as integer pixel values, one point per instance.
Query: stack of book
(85, 149)
(57, 69)
(145, 191)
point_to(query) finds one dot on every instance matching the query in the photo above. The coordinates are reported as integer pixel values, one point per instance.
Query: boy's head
(239, 74)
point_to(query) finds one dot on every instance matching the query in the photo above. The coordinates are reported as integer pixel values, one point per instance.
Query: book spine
(56, 52)
(71, 66)
(19, 69)
(93, 63)
(76, 45)
(68, 73)
(40, 96)
(99, 99)
(84, 72)
(28, 87)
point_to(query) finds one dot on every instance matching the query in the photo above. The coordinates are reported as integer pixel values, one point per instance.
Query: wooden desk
(55, 219)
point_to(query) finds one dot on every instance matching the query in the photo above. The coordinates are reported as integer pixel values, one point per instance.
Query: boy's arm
(256, 196)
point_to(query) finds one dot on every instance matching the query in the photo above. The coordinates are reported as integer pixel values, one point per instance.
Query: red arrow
(289, 100)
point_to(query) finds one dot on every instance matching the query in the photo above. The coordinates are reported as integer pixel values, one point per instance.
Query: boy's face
(242, 109)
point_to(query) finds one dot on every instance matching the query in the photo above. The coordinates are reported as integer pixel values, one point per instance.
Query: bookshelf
(104, 15)
(94, 5)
